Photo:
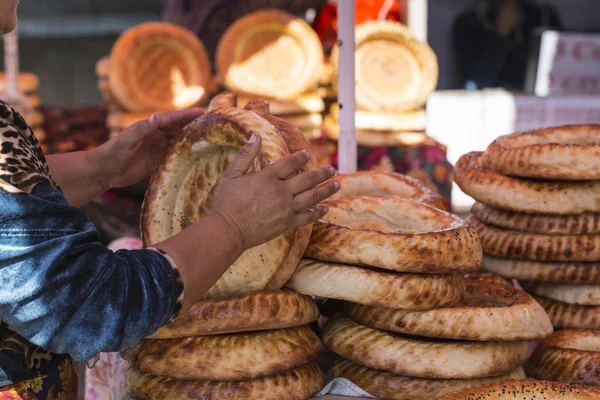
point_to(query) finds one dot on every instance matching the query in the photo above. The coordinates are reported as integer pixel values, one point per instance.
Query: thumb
(244, 158)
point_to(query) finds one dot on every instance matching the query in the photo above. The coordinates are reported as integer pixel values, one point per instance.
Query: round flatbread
(157, 66)
(527, 390)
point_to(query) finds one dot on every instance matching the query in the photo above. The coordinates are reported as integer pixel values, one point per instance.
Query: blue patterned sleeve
(60, 288)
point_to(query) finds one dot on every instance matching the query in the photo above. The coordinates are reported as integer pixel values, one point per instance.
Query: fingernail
(152, 118)
(331, 170)
(323, 208)
(337, 185)
(306, 153)
(253, 139)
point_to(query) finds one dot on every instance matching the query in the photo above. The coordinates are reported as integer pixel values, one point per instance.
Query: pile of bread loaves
(538, 217)
(395, 74)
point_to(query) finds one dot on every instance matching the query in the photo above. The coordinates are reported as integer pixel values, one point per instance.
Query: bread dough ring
(516, 194)
(182, 187)
(270, 53)
(395, 387)
(578, 224)
(157, 66)
(229, 357)
(570, 316)
(305, 103)
(543, 271)
(529, 246)
(372, 138)
(582, 294)
(413, 120)
(489, 312)
(258, 311)
(527, 390)
(384, 351)
(296, 384)
(395, 234)
(570, 356)
(377, 288)
(394, 70)
(562, 153)
(376, 183)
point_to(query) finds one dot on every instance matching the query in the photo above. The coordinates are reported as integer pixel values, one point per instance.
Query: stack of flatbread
(276, 56)
(153, 67)
(395, 74)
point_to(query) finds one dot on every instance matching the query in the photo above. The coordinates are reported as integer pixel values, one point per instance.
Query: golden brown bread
(229, 357)
(258, 311)
(397, 354)
(377, 288)
(394, 70)
(570, 316)
(270, 53)
(395, 234)
(488, 277)
(182, 187)
(543, 271)
(395, 387)
(411, 120)
(26, 82)
(310, 102)
(563, 153)
(526, 390)
(489, 312)
(523, 195)
(536, 247)
(578, 224)
(572, 293)
(296, 384)
(376, 183)
(570, 356)
(157, 66)
(103, 67)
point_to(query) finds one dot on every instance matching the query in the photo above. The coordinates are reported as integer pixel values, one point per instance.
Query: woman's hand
(262, 205)
(132, 155)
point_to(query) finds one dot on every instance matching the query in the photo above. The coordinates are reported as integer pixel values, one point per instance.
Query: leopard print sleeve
(22, 163)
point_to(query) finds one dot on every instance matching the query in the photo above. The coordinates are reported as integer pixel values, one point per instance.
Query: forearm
(202, 252)
(80, 178)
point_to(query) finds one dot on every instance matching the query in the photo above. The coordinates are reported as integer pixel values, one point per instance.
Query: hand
(509, 17)
(262, 205)
(131, 157)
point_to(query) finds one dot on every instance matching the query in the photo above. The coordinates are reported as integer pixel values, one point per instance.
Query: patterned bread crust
(377, 288)
(516, 194)
(543, 271)
(384, 351)
(229, 357)
(572, 293)
(296, 384)
(258, 311)
(385, 34)
(570, 316)
(157, 66)
(578, 224)
(182, 187)
(536, 247)
(395, 387)
(233, 42)
(488, 277)
(563, 153)
(526, 390)
(395, 234)
(376, 183)
(570, 356)
(490, 313)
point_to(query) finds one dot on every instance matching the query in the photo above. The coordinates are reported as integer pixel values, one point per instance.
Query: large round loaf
(395, 234)
(229, 357)
(570, 316)
(385, 385)
(296, 384)
(567, 272)
(526, 390)
(572, 293)
(182, 187)
(570, 356)
(257, 311)
(490, 312)
(385, 351)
